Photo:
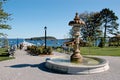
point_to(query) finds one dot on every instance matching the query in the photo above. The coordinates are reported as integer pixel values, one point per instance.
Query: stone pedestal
(76, 57)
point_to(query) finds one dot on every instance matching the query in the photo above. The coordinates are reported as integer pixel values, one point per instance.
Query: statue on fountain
(76, 24)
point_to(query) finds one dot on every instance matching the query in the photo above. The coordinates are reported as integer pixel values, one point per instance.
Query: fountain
(76, 63)
(77, 23)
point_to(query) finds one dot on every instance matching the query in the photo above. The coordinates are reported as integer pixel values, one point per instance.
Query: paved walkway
(26, 67)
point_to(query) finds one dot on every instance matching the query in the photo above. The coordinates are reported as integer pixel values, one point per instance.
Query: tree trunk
(105, 33)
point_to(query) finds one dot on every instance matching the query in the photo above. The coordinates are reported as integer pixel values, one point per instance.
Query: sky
(29, 17)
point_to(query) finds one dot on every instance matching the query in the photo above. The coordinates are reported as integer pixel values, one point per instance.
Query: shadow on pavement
(24, 65)
(40, 66)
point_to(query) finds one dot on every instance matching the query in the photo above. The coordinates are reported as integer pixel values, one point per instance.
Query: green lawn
(3, 51)
(107, 51)
(5, 58)
(4, 54)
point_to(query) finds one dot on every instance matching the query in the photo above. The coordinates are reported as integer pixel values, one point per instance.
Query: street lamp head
(45, 27)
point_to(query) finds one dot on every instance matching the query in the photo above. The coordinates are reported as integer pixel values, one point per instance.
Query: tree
(4, 17)
(108, 19)
(101, 44)
(95, 23)
(84, 30)
(92, 28)
(71, 33)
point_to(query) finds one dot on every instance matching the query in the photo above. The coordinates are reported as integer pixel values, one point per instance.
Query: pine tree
(108, 19)
(4, 17)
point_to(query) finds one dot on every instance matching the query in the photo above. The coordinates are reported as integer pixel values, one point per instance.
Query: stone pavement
(26, 67)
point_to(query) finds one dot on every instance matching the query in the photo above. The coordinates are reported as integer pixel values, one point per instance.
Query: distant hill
(41, 38)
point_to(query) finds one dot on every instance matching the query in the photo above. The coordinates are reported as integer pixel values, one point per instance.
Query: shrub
(34, 50)
(49, 50)
(45, 51)
(28, 47)
(39, 50)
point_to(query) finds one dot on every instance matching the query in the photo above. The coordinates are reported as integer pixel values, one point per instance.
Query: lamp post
(45, 35)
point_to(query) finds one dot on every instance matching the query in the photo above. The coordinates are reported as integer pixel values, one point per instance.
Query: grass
(5, 58)
(107, 51)
(4, 54)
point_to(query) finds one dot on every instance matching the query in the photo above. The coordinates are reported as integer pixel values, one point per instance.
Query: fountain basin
(90, 65)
